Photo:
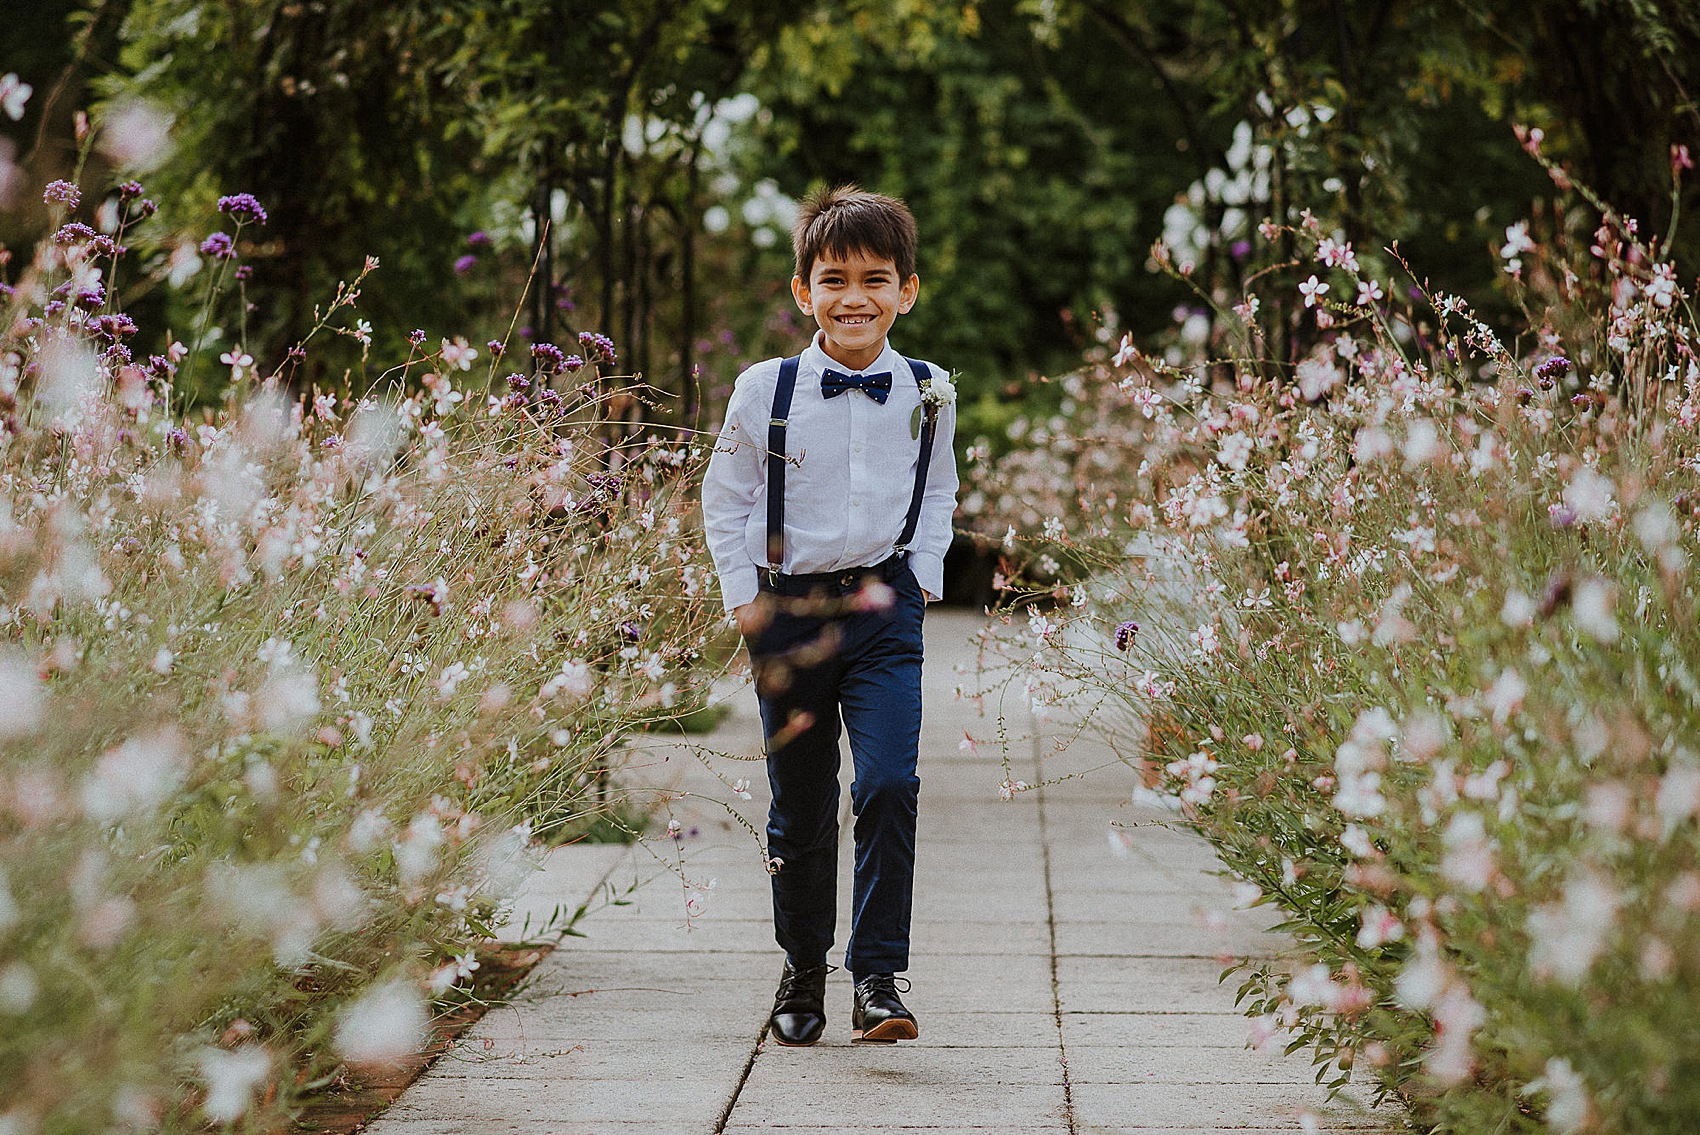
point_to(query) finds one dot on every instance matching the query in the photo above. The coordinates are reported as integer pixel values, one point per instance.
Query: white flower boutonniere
(939, 392)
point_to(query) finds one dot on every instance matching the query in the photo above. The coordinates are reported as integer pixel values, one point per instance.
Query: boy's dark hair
(844, 219)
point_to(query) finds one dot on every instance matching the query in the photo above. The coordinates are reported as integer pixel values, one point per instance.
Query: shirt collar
(817, 360)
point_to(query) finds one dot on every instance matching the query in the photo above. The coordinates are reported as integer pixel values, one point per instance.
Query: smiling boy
(827, 507)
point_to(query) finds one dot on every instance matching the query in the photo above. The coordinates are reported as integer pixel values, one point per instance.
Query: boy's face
(855, 298)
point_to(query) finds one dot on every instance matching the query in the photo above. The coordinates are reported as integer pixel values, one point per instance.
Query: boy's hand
(751, 617)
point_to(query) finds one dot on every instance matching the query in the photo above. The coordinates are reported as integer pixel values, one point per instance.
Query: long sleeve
(938, 505)
(731, 492)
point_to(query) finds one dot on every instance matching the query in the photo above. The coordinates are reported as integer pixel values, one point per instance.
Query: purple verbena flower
(129, 189)
(416, 336)
(118, 324)
(146, 207)
(117, 355)
(548, 356)
(518, 382)
(479, 239)
(549, 397)
(465, 264)
(62, 193)
(572, 364)
(219, 246)
(243, 271)
(598, 348)
(74, 233)
(92, 298)
(177, 438)
(631, 630)
(1125, 634)
(160, 366)
(496, 347)
(334, 441)
(243, 209)
(1552, 370)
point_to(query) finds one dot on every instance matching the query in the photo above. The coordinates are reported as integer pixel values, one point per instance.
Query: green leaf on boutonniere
(915, 421)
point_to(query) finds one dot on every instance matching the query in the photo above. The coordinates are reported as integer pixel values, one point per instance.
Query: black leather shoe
(799, 1008)
(878, 1016)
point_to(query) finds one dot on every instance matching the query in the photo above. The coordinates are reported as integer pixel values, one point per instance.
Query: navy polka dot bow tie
(875, 386)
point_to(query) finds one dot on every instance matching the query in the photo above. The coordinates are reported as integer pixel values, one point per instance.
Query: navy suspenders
(929, 422)
(782, 394)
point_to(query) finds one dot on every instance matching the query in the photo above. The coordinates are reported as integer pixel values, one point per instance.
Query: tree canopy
(626, 167)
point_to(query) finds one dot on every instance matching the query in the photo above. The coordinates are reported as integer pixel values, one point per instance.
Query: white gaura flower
(1468, 861)
(22, 695)
(1568, 1108)
(135, 776)
(1505, 696)
(1678, 797)
(1235, 451)
(386, 1024)
(1590, 496)
(1422, 443)
(1317, 375)
(1565, 937)
(1592, 609)
(232, 1077)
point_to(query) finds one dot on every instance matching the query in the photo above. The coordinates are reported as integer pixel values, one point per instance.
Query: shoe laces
(788, 985)
(883, 983)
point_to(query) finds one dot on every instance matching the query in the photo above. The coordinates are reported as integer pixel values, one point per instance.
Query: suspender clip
(780, 422)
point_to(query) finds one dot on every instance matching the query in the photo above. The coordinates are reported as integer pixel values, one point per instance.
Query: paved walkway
(1062, 988)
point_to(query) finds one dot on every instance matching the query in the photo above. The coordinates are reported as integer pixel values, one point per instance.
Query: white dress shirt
(849, 477)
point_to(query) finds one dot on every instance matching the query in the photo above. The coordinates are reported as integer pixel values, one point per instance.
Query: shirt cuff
(929, 572)
(739, 586)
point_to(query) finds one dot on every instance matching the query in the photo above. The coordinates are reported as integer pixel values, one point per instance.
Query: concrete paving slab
(1153, 984)
(896, 1129)
(769, 1100)
(490, 1104)
(1134, 1107)
(874, 1066)
(564, 1059)
(1178, 1064)
(1141, 1031)
(1189, 938)
(542, 1127)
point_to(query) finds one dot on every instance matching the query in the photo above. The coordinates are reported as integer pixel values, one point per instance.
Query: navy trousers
(830, 657)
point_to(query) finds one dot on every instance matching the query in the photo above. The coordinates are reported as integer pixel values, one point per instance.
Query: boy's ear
(908, 293)
(800, 293)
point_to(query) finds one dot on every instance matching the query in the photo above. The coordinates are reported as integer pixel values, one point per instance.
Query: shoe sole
(887, 1032)
(788, 1044)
